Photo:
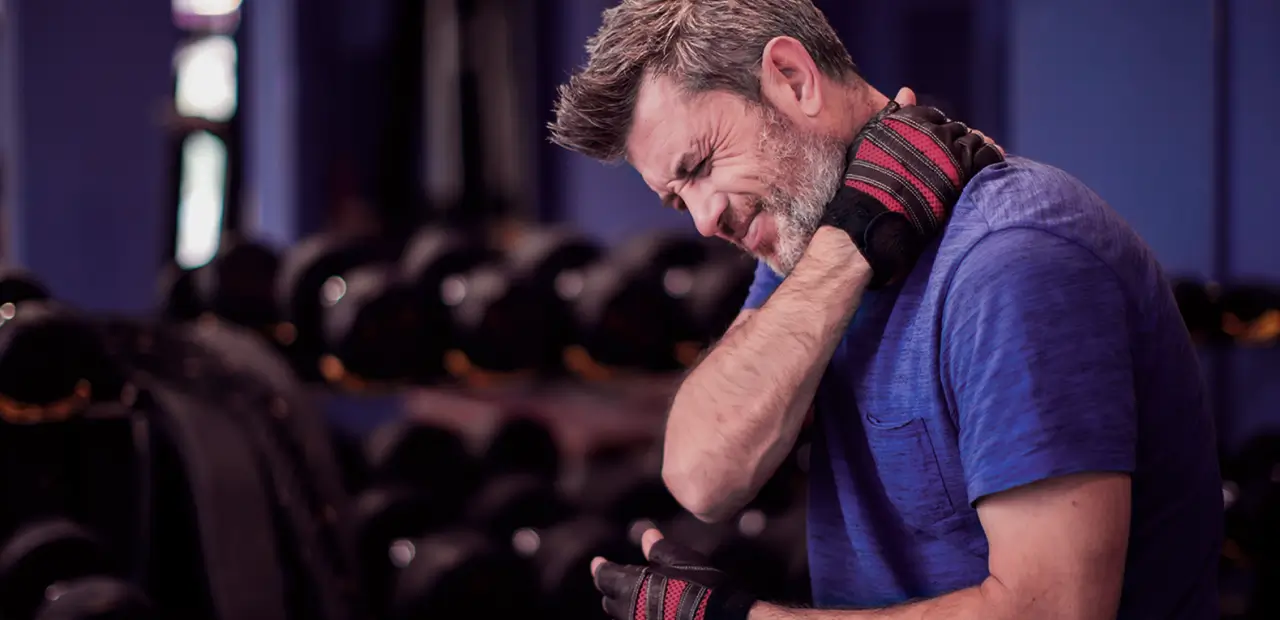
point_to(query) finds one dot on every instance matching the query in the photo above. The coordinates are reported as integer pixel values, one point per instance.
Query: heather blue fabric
(1036, 338)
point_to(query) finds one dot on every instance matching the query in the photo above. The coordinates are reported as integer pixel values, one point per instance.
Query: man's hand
(907, 168)
(678, 584)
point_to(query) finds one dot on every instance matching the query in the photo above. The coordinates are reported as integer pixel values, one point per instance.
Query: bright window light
(203, 196)
(206, 85)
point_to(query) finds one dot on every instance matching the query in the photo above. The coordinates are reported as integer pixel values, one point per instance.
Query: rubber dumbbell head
(422, 456)
(522, 444)
(17, 286)
(238, 284)
(516, 501)
(305, 280)
(463, 575)
(385, 519)
(53, 363)
(96, 598)
(562, 556)
(375, 329)
(719, 289)
(41, 554)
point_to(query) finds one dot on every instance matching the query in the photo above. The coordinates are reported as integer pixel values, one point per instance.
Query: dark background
(1164, 107)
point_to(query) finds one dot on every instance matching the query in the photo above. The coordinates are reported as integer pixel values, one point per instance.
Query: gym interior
(303, 316)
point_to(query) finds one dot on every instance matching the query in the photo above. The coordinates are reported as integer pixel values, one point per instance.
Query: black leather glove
(678, 584)
(906, 170)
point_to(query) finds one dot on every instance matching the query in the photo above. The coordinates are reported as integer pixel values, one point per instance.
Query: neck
(862, 102)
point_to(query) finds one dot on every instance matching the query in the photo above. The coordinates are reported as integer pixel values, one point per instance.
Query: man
(1010, 426)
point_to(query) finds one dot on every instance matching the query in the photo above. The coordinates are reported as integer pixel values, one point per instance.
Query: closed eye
(701, 168)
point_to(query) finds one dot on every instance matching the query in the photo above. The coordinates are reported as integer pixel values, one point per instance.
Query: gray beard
(810, 168)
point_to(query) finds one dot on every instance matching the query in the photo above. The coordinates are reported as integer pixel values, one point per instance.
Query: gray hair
(703, 45)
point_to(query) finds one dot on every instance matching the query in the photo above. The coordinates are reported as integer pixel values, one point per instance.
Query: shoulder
(1041, 215)
(1022, 192)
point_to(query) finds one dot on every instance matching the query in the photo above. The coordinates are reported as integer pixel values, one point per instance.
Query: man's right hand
(907, 168)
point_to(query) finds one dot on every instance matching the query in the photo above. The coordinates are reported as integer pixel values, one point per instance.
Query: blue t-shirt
(1036, 338)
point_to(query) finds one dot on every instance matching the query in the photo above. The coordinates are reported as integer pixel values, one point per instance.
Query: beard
(805, 170)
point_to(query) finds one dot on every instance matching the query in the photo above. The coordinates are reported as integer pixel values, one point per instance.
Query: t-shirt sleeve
(1035, 361)
(765, 282)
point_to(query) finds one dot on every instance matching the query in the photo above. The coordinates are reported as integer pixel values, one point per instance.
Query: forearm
(738, 412)
(986, 601)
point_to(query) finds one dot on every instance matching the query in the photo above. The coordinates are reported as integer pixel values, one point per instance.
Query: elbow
(708, 502)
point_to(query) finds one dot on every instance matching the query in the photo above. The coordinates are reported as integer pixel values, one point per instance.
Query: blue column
(89, 81)
(1255, 138)
(270, 121)
(1118, 94)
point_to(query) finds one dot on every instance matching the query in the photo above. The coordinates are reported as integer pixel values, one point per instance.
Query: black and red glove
(677, 584)
(906, 170)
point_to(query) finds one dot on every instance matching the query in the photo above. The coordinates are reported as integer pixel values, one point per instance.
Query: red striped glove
(677, 584)
(906, 170)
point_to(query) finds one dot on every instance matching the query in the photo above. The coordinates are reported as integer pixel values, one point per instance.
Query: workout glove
(906, 170)
(678, 584)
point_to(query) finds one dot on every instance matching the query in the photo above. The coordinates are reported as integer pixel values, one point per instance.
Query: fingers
(666, 553)
(989, 141)
(615, 580)
(905, 96)
(646, 542)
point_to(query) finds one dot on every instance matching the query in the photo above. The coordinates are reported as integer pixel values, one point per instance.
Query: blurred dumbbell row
(447, 305)
(191, 451)
(519, 531)
(1243, 314)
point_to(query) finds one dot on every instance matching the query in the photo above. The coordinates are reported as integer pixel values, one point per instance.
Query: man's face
(745, 172)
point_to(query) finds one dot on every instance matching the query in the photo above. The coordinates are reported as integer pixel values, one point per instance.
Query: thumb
(905, 96)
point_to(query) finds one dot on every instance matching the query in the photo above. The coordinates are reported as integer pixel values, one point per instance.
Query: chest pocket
(907, 467)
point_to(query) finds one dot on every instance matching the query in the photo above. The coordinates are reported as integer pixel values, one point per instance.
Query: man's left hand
(677, 584)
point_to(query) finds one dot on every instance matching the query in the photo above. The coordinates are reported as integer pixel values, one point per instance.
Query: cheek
(743, 175)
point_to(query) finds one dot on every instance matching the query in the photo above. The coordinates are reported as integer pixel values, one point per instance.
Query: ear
(789, 79)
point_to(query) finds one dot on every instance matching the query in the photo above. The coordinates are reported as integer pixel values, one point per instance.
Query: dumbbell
(562, 556)
(1251, 493)
(512, 502)
(238, 284)
(521, 444)
(96, 598)
(422, 456)
(17, 286)
(379, 330)
(53, 363)
(385, 519)
(451, 275)
(178, 299)
(463, 575)
(719, 288)
(1251, 314)
(627, 491)
(44, 553)
(515, 315)
(309, 279)
(631, 312)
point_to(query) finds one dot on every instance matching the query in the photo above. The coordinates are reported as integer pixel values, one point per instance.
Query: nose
(706, 207)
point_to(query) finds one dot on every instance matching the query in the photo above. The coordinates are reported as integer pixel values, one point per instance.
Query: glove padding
(678, 584)
(906, 170)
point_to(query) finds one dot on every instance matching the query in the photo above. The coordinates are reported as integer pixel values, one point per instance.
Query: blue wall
(87, 84)
(1129, 112)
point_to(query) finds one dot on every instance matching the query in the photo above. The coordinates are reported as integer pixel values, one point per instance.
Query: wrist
(767, 611)
(832, 248)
